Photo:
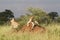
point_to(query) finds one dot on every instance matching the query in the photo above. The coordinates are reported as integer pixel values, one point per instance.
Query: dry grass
(53, 33)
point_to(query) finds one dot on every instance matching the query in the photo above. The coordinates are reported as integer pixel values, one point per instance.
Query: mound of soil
(38, 29)
(35, 29)
(26, 28)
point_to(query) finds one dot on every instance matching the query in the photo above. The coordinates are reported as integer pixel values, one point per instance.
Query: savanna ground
(53, 33)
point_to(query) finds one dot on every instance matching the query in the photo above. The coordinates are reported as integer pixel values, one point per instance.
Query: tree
(53, 15)
(37, 12)
(6, 15)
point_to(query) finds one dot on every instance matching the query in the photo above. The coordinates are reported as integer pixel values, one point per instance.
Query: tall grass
(53, 33)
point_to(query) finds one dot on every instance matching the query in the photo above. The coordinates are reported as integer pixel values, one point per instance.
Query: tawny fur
(14, 24)
(32, 22)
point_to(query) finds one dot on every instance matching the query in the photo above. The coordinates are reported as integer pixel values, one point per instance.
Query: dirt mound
(38, 29)
(35, 29)
(26, 28)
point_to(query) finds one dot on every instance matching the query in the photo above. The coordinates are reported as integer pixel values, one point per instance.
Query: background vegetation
(51, 21)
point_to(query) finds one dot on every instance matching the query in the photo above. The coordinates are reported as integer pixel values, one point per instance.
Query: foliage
(53, 33)
(36, 12)
(39, 15)
(53, 15)
(5, 16)
(23, 19)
